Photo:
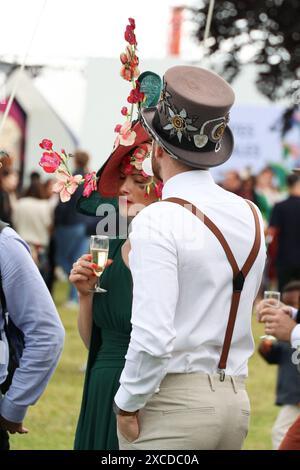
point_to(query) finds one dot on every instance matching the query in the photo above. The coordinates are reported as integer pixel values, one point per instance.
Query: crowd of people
(55, 232)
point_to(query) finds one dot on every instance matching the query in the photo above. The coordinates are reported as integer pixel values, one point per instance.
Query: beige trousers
(193, 411)
(286, 417)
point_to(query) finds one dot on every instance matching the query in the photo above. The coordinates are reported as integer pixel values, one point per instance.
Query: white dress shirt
(182, 287)
(295, 335)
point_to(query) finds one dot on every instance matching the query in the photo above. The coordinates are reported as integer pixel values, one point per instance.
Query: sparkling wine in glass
(99, 246)
(274, 296)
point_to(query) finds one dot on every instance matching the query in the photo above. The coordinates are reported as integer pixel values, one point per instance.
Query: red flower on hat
(136, 96)
(130, 36)
(141, 152)
(46, 144)
(50, 161)
(131, 22)
(66, 185)
(118, 128)
(130, 62)
(126, 73)
(90, 184)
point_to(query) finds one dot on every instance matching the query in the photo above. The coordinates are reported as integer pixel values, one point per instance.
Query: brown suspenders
(239, 275)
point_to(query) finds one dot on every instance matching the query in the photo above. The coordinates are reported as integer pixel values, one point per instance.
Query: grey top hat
(190, 120)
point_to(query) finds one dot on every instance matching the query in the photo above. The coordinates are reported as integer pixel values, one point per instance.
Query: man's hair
(291, 286)
(35, 176)
(81, 159)
(292, 180)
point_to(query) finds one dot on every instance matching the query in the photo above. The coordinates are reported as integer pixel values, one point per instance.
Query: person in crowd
(285, 228)
(53, 199)
(177, 386)
(248, 191)
(232, 182)
(283, 323)
(33, 220)
(288, 378)
(32, 310)
(266, 188)
(70, 233)
(104, 322)
(9, 181)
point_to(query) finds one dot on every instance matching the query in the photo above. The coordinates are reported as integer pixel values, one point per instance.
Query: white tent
(41, 121)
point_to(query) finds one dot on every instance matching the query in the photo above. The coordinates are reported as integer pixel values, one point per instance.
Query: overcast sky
(79, 29)
(83, 28)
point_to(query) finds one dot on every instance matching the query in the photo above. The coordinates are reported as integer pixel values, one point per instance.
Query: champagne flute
(275, 296)
(99, 245)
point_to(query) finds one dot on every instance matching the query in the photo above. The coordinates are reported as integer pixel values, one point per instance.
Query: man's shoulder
(8, 238)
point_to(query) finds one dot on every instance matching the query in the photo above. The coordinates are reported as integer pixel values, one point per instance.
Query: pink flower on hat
(90, 184)
(50, 161)
(67, 185)
(126, 135)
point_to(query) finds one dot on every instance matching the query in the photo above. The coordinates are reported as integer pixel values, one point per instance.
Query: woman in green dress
(104, 319)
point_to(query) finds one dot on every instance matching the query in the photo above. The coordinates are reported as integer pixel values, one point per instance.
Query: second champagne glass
(275, 296)
(99, 246)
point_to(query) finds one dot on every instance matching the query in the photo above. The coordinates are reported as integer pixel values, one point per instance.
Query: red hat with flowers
(132, 147)
(133, 144)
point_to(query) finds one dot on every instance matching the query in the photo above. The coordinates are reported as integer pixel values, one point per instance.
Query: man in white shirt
(196, 271)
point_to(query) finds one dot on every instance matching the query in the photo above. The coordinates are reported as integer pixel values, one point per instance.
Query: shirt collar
(185, 180)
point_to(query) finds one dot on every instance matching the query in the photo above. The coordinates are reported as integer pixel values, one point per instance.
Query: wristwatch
(120, 412)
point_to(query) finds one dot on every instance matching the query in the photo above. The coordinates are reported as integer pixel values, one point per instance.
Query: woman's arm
(85, 318)
(84, 279)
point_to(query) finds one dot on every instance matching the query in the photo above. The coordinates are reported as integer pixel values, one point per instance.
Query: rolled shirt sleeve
(32, 310)
(153, 264)
(295, 337)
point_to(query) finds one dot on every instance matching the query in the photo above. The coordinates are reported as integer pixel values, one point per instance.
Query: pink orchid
(67, 185)
(126, 136)
(50, 161)
(90, 184)
(46, 144)
(142, 151)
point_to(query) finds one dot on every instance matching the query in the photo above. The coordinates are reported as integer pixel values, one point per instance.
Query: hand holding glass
(275, 303)
(99, 246)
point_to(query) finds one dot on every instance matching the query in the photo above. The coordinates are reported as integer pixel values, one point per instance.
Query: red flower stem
(133, 84)
(65, 163)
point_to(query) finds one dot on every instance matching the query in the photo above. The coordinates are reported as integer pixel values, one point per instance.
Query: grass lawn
(52, 420)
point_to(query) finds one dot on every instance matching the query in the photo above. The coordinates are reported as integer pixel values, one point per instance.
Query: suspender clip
(221, 373)
(238, 282)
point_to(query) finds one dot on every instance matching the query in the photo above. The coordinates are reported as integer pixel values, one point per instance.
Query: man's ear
(159, 151)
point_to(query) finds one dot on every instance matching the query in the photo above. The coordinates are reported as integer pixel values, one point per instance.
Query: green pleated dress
(96, 429)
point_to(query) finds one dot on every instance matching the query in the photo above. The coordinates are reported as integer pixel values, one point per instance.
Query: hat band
(205, 145)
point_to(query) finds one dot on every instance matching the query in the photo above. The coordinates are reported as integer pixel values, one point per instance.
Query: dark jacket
(288, 377)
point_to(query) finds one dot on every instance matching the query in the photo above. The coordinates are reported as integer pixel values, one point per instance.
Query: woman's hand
(83, 276)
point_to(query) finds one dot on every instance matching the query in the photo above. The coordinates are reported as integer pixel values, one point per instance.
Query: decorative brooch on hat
(181, 125)
(145, 92)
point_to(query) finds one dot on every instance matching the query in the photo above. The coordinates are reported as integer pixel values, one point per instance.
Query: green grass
(52, 420)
